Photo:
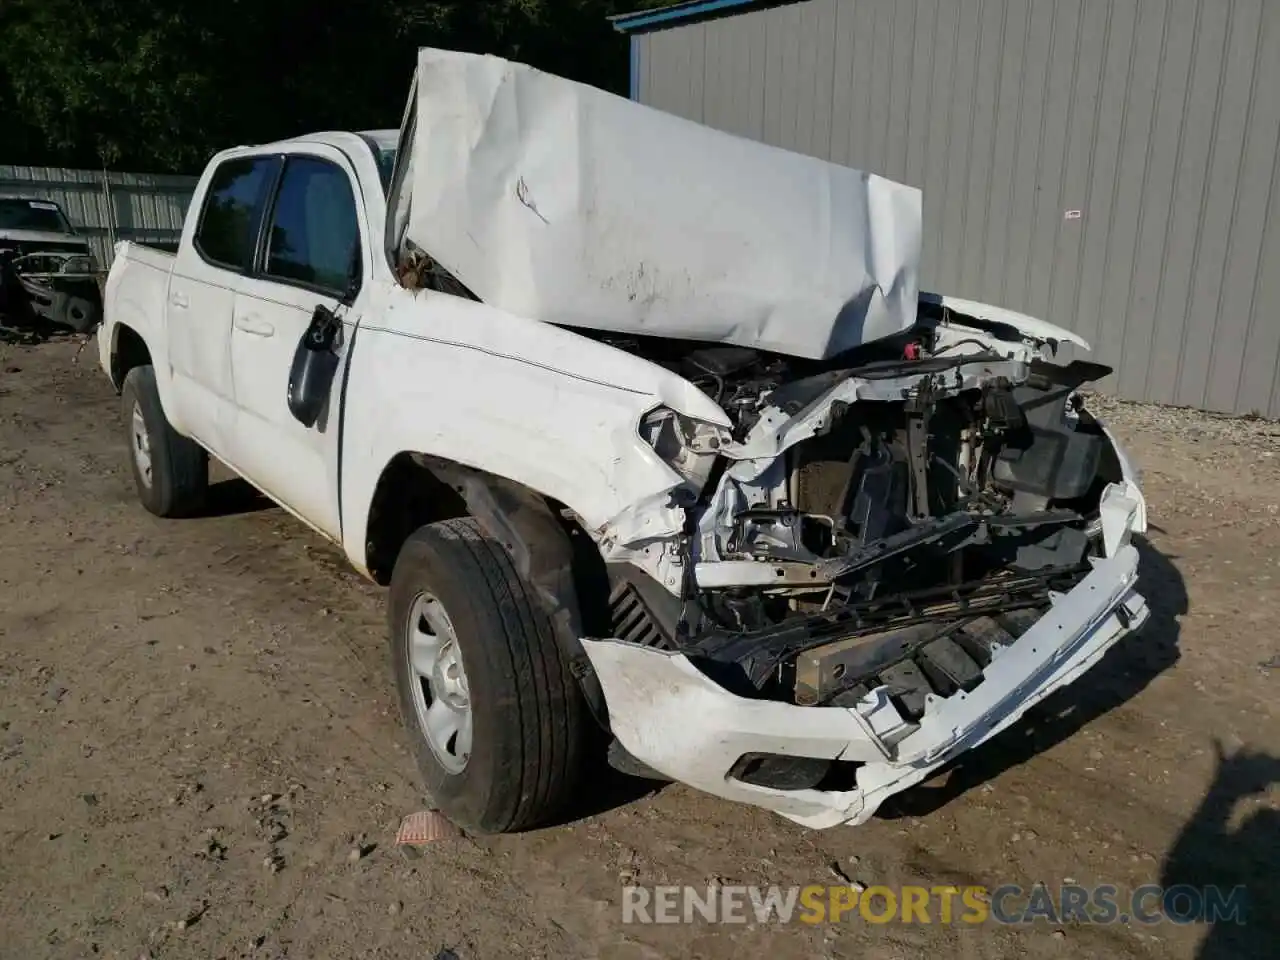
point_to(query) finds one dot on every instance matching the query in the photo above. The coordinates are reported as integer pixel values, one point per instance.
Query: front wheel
(170, 471)
(498, 724)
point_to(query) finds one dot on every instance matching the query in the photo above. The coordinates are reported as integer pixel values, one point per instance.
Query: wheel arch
(128, 350)
(549, 546)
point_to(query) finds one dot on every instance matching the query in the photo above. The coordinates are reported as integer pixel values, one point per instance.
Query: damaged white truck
(651, 433)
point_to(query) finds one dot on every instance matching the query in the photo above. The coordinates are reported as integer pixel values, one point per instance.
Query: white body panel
(135, 298)
(1027, 326)
(287, 461)
(293, 464)
(555, 411)
(560, 202)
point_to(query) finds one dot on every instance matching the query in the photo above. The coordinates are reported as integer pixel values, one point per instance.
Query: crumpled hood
(560, 202)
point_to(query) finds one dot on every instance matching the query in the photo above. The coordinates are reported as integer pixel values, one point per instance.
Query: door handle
(254, 325)
(179, 300)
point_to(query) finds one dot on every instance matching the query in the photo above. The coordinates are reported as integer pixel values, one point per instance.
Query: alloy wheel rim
(441, 692)
(141, 445)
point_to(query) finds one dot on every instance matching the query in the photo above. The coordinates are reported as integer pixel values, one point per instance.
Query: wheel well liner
(130, 351)
(550, 550)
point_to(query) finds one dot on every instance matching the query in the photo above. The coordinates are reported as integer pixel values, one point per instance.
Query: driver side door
(312, 253)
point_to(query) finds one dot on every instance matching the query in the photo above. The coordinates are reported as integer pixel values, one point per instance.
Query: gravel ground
(200, 757)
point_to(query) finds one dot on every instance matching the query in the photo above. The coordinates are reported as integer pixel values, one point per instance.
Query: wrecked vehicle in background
(646, 426)
(47, 270)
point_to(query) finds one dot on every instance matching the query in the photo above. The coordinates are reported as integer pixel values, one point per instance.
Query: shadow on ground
(1219, 863)
(611, 790)
(1123, 673)
(229, 498)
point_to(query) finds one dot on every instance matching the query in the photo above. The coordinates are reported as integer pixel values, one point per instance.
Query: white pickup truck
(687, 459)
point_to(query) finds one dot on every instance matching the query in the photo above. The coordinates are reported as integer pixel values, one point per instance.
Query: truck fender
(550, 552)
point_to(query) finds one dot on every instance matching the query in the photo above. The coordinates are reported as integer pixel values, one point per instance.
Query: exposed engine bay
(890, 519)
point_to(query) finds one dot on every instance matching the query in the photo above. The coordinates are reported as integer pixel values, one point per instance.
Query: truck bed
(158, 255)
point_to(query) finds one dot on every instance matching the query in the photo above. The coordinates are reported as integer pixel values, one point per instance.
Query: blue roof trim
(641, 19)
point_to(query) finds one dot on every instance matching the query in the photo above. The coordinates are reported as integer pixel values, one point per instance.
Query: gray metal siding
(129, 206)
(1109, 165)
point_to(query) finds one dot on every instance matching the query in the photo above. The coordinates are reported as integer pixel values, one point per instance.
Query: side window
(315, 237)
(228, 225)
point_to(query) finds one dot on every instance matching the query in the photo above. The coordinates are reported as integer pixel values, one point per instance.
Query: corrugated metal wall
(1109, 165)
(130, 206)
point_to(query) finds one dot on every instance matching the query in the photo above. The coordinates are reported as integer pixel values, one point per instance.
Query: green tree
(159, 85)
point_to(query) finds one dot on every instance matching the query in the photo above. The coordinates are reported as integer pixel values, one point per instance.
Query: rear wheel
(498, 724)
(170, 471)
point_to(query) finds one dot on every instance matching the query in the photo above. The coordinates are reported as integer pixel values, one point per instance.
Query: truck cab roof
(381, 143)
(341, 139)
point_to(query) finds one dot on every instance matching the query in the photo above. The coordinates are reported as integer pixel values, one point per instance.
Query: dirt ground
(158, 680)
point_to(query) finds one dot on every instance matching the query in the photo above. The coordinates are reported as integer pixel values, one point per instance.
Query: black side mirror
(314, 366)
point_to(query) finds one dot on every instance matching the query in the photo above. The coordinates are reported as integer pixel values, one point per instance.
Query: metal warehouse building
(1108, 165)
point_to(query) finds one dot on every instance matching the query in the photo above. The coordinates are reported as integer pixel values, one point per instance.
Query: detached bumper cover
(673, 718)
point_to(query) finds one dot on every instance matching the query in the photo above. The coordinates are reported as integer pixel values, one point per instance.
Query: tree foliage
(159, 85)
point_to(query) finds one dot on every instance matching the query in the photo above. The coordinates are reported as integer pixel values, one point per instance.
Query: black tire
(179, 475)
(82, 315)
(530, 723)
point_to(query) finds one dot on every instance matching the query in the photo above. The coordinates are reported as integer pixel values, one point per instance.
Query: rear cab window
(227, 233)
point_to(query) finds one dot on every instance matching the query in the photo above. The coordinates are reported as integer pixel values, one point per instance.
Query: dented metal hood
(560, 202)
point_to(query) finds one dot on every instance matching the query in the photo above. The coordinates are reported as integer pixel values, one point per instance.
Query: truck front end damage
(59, 287)
(47, 273)
(885, 560)
(887, 528)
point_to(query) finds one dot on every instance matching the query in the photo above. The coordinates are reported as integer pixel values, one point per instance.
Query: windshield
(17, 213)
(386, 164)
(382, 144)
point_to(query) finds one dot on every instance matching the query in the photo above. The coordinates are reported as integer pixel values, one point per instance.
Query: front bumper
(673, 718)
